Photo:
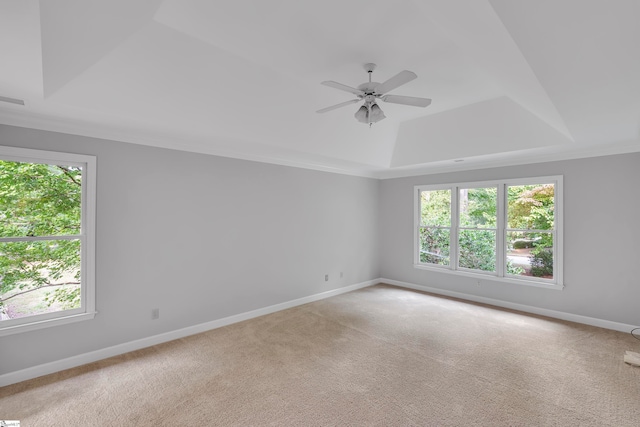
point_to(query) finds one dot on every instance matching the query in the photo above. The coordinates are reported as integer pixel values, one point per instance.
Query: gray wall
(601, 237)
(202, 237)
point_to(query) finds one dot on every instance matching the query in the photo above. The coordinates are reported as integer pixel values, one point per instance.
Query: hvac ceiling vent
(12, 100)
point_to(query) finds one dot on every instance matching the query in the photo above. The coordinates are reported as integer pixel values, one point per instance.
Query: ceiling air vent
(12, 100)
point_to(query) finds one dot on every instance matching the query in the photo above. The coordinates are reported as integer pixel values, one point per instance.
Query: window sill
(32, 326)
(491, 278)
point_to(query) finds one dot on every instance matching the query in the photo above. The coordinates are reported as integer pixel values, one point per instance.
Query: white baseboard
(82, 359)
(93, 356)
(607, 324)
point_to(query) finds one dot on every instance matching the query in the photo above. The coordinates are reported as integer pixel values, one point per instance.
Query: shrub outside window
(509, 230)
(47, 216)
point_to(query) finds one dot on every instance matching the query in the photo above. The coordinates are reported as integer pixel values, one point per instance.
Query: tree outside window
(478, 213)
(46, 237)
(435, 226)
(531, 219)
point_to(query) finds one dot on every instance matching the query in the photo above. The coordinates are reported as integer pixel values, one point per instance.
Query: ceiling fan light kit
(362, 115)
(370, 112)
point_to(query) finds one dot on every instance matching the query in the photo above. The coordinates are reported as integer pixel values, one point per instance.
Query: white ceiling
(512, 81)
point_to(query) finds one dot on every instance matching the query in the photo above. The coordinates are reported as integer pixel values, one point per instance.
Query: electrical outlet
(155, 313)
(326, 277)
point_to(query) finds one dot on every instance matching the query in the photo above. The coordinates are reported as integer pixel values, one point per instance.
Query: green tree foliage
(434, 246)
(435, 211)
(435, 208)
(478, 211)
(478, 207)
(477, 249)
(40, 200)
(531, 207)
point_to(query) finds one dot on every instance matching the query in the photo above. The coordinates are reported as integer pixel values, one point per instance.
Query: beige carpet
(380, 356)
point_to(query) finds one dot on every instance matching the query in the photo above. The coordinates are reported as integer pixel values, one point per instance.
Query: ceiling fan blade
(340, 86)
(333, 107)
(398, 80)
(407, 100)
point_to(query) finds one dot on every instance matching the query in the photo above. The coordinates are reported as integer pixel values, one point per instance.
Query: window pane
(39, 199)
(435, 208)
(478, 207)
(477, 249)
(531, 207)
(434, 245)
(530, 254)
(39, 277)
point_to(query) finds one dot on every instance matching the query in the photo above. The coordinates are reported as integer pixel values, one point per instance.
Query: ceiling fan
(370, 91)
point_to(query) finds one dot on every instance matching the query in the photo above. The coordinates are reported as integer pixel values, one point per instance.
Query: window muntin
(490, 218)
(47, 208)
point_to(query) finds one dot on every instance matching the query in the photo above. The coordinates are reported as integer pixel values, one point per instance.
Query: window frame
(501, 274)
(450, 228)
(460, 227)
(87, 308)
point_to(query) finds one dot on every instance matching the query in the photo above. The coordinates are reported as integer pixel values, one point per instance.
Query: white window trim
(556, 283)
(87, 236)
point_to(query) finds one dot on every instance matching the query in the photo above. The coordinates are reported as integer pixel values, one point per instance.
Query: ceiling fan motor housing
(369, 88)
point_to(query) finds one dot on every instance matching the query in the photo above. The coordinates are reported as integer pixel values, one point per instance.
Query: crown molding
(291, 158)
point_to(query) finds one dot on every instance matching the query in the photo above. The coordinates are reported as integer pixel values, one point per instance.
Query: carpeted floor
(381, 356)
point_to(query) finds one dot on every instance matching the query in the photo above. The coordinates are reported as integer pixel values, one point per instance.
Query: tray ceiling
(511, 81)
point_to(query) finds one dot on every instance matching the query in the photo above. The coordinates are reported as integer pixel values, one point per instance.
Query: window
(509, 230)
(435, 226)
(477, 228)
(47, 222)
